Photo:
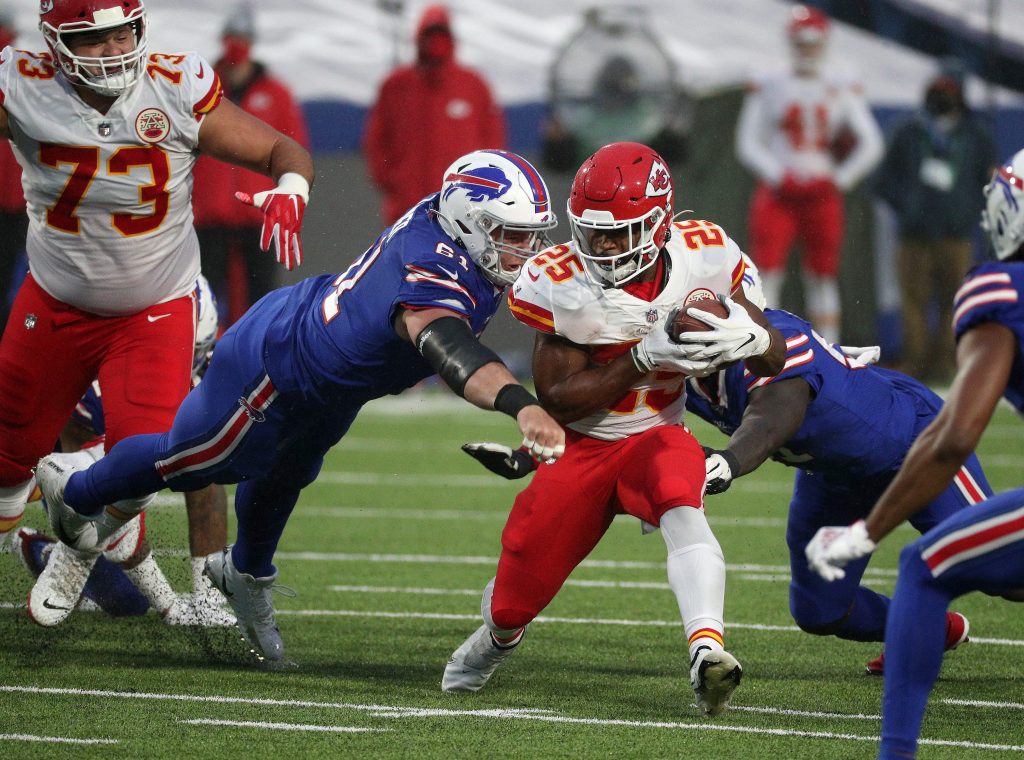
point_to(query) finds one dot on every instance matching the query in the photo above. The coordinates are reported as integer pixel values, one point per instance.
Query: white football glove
(658, 351)
(862, 354)
(720, 468)
(282, 207)
(733, 338)
(834, 546)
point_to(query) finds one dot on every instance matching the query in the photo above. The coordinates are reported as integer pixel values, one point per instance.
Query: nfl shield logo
(105, 129)
(652, 316)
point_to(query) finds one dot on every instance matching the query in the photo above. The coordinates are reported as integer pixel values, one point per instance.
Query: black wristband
(512, 399)
(728, 456)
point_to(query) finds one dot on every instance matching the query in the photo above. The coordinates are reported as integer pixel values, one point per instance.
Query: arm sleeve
(869, 146)
(751, 149)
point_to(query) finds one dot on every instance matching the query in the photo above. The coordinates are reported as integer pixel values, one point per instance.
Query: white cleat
(714, 676)
(473, 663)
(249, 597)
(59, 587)
(75, 530)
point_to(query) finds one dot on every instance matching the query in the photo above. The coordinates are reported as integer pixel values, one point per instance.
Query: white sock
(504, 637)
(150, 580)
(12, 506)
(696, 574)
(771, 287)
(822, 297)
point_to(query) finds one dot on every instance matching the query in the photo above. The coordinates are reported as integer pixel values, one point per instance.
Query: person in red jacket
(427, 114)
(13, 219)
(229, 234)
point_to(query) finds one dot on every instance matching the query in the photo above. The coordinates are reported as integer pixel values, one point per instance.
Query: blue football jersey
(89, 410)
(991, 293)
(333, 336)
(860, 422)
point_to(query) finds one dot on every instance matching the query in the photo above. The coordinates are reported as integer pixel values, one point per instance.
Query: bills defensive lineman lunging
(107, 134)
(977, 549)
(289, 378)
(605, 367)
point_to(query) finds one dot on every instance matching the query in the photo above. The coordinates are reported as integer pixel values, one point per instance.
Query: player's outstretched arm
(477, 374)
(230, 134)
(773, 415)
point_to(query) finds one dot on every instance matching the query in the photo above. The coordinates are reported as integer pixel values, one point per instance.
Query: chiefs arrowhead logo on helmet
(659, 181)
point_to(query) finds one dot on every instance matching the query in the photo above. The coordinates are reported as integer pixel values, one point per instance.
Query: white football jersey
(553, 294)
(109, 195)
(788, 124)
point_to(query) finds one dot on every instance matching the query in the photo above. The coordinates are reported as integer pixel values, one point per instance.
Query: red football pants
(776, 222)
(51, 352)
(559, 518)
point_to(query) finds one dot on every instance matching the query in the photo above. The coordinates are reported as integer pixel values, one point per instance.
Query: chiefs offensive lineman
(605, 368)
(107, 134)
(789, 136)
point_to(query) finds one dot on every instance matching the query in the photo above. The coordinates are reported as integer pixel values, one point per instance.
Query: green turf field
(388, 552)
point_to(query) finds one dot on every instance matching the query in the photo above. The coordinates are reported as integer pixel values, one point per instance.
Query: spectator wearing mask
(427, 114)
(229, 233)
(935, 167)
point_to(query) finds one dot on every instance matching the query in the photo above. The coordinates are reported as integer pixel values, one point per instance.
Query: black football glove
(720, 468)
(502, 460)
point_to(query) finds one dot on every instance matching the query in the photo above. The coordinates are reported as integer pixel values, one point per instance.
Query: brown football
(682, 322)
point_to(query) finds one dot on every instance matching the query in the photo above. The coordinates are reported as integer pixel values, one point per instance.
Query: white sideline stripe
(495, 515)
(54, 739)
(982, 703)
(282, 726)
(803, 713)
(534, 715)
(471, 560)
(491, 482)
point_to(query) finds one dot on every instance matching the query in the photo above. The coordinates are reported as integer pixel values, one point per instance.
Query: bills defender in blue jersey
(978, 549)
(846, 427)
(125, 579)
(289, 378)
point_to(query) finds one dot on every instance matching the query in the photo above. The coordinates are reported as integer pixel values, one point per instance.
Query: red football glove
(282, 209)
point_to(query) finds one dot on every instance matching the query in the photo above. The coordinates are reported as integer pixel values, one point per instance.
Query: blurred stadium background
(334, 54)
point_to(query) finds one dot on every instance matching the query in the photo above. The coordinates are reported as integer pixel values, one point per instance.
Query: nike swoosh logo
(202, 70)
(532, 276)
(453, 275)
(154, 318)
(47, 605)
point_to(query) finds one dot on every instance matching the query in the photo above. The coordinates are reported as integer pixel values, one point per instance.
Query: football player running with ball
(288, 379)
(605, 367)
(977, 549)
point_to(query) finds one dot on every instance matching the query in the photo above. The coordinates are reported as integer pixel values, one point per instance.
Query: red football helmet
(625, 189)
(109, 75)
(807, 31)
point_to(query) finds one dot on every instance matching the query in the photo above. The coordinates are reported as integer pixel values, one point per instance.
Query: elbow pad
(453, 351)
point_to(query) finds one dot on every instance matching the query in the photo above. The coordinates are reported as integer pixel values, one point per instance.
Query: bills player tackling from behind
(606, 369)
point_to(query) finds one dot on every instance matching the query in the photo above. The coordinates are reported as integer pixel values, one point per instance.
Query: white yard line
(54, 739)
(387, 711)
(282, 726)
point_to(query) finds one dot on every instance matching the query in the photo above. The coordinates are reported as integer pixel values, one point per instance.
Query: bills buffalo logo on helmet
(152, 125)
(484, 183)
(658, 182)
